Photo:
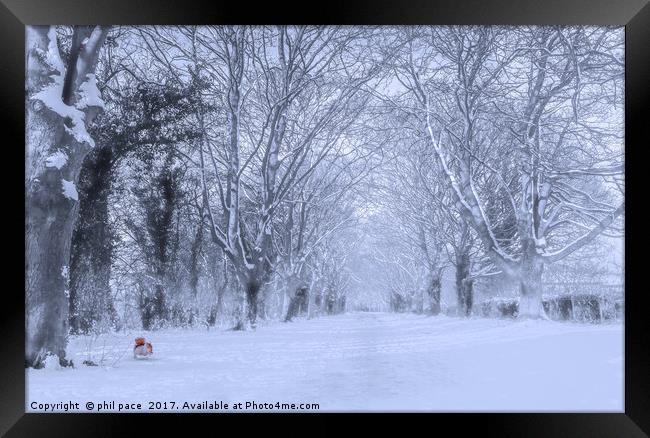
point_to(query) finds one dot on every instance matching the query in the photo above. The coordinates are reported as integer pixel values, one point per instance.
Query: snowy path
(357, 361)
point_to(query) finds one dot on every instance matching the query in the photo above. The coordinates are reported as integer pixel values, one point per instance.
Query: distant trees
(412, 205)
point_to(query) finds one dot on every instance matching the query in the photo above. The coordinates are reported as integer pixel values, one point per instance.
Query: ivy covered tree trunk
(197, 244)
(158, 196)
(92, 246)
(61, 102)
(194, 257)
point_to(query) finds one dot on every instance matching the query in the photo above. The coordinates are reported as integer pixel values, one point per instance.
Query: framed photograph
(368, 208)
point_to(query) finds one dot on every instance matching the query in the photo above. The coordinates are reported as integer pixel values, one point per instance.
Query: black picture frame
(633, 14)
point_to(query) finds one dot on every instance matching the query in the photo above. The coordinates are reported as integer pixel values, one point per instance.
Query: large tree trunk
(530, 287)
(194, 267)
(216, 309)
(310, 298)
(298, 302)
(194, 258)
(466, 291)
(434, 294)
(292, 310)
(49, 227)
(464, 285)
(160, 307)
(293, 287)
(60, 105)
(252, 291)
(154, 310)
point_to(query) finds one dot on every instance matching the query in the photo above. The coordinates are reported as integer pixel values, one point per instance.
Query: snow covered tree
(551, 96)
(62, 101)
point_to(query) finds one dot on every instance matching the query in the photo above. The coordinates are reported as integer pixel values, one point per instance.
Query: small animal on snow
(142, 349)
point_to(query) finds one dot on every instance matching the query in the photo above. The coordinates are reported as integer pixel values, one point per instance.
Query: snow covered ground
(356, 361)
